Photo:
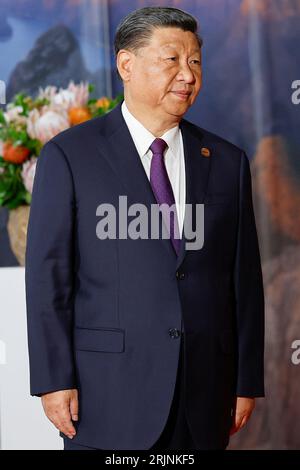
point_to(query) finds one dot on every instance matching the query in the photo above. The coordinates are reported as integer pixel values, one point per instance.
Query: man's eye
(195, 61)
(172, 58)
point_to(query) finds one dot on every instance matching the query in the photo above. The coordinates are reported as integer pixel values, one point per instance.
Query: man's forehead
(174, 45)
(173, 37)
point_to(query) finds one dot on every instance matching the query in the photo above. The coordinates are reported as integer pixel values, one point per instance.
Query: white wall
(22, 421)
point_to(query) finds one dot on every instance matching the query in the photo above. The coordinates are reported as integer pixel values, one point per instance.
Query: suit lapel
(197, 169)
(120, 152)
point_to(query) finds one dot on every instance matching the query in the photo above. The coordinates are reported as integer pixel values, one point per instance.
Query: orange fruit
(103, 102)
(15, 154)
(78, 115)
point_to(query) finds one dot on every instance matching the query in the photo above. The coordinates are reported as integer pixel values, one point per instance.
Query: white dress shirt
(174, 156)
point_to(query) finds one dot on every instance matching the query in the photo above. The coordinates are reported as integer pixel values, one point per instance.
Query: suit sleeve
(249, 294)
(49, 274)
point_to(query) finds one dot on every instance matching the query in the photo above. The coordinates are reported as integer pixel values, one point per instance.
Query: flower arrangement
(28, 123)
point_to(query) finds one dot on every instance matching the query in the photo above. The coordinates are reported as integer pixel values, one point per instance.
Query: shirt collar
(144, 138)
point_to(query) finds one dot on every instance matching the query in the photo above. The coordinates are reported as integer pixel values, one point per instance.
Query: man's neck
(154, 124)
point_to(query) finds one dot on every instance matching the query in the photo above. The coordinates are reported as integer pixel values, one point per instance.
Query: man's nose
(185, 73)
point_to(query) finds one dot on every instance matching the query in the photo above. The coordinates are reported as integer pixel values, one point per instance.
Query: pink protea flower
(47, 93)
(75, 96)
(28, 172)
(45, 123)
(13, 114)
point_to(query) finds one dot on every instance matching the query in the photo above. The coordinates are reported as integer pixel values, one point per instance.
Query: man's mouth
(182, 94)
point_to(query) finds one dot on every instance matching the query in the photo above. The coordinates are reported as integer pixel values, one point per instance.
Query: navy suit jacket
(105, 316)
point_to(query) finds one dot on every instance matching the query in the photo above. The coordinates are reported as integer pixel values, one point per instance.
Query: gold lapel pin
(205, 152)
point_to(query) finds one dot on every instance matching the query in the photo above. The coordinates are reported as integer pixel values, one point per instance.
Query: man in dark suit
(140, 342)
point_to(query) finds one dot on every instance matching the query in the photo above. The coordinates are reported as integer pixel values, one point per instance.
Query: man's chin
(178, 111)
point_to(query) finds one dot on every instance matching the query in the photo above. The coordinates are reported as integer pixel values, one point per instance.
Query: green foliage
(22, 100)
(12, 189)
(2, 118)
(99, 111)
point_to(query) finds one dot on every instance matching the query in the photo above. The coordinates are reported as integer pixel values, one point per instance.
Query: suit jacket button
(180, 275)
(174, 332)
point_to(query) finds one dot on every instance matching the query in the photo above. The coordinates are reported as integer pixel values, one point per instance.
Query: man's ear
(125, 60)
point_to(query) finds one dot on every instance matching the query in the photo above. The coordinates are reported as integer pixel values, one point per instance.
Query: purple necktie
(162, 188)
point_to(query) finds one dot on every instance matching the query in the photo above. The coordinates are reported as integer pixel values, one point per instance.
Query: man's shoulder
(213, 141)
(78, 135)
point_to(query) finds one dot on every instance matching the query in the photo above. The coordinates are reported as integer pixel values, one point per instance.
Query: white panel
(23, 424)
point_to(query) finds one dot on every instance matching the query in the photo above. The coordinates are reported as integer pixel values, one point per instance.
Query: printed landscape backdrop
(251, 57)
